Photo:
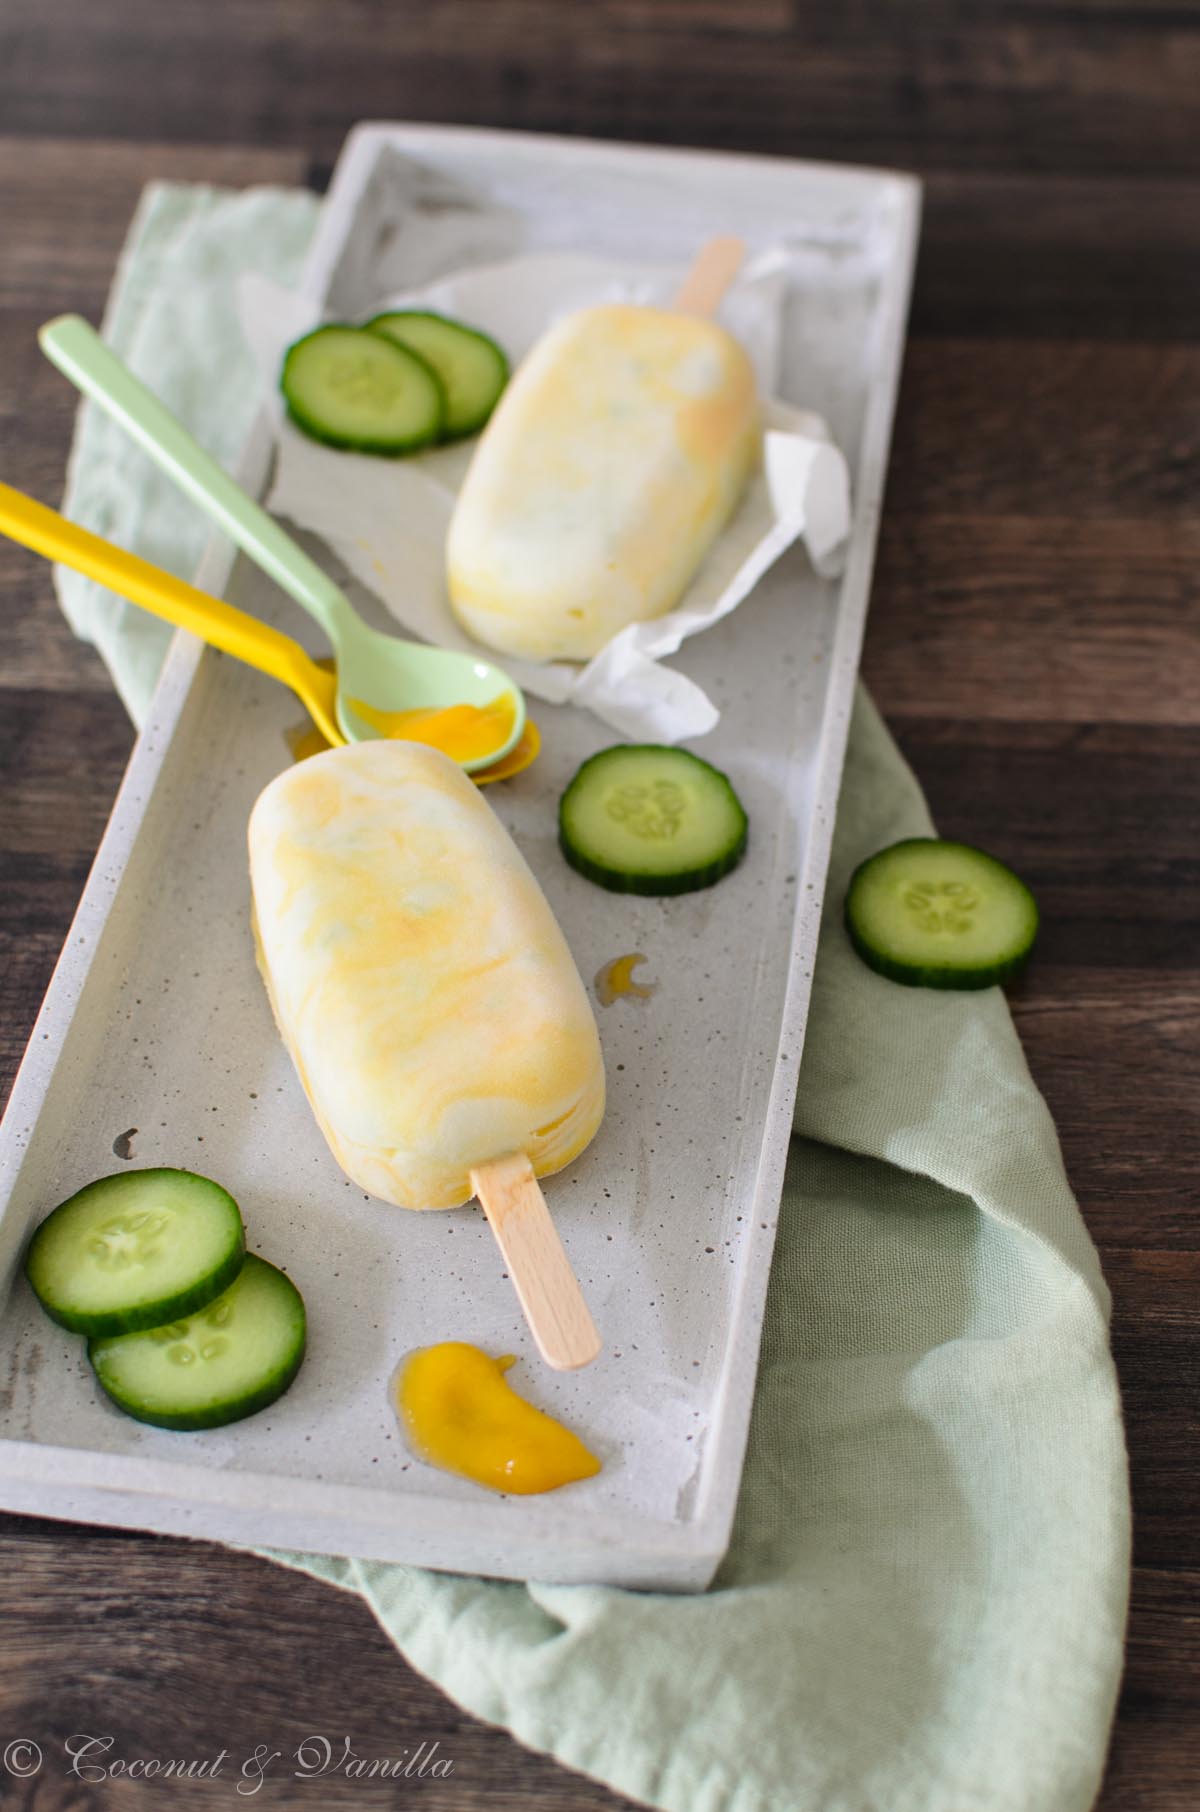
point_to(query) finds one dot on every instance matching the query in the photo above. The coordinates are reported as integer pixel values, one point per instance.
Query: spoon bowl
(379, 695)
(382, 680)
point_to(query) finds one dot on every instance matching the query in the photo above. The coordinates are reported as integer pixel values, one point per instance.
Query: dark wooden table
(1034, 641)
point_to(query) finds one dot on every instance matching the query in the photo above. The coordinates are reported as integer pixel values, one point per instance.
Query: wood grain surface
(1034, 641)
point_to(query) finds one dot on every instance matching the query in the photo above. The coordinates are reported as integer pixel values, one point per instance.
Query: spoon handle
(81, 355)
(36, 526)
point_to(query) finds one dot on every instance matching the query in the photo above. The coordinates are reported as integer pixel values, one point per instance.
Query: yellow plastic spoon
(36, 526)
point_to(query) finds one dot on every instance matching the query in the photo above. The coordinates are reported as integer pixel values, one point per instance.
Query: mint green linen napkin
(923, 1605)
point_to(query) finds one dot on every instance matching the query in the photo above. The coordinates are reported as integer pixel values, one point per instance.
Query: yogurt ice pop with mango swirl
(613, 461)
(429, 1002)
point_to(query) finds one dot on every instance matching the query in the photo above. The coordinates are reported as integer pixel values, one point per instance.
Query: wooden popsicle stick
(547, 1287)
(714, 268)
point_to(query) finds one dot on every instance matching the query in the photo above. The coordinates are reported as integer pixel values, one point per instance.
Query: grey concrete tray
(156, 1019)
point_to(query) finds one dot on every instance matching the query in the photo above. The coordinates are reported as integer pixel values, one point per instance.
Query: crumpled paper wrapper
(386, 520)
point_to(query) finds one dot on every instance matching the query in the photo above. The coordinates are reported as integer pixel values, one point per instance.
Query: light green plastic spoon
(378, 675)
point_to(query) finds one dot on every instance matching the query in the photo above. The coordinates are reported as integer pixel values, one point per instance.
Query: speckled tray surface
(156, 1019)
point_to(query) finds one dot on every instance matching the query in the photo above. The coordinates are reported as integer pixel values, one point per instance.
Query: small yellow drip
(464, 732)
(615, 980)
(304, 740)
(459, 1413)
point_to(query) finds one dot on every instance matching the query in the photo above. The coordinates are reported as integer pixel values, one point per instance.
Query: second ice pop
(614, 459)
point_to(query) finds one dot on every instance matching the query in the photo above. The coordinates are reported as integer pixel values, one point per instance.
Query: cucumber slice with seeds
(229, 1360)
(473, 370)
(354, 389)
(132, 1250)
(933, 914)
(648, 819)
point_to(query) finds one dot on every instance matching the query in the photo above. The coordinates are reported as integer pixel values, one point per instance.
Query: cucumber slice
(940, 915)
(136, 1249)
(472, 368)
(354, 389)
(645, 818)
(230, 1359)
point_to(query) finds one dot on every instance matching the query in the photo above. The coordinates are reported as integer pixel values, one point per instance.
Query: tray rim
(680, 1555)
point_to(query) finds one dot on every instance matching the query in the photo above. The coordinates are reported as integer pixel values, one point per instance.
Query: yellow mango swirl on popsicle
(613, 461)
(418, 977)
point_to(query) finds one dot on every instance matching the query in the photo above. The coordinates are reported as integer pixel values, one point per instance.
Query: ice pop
(424, 989)
(614, 459)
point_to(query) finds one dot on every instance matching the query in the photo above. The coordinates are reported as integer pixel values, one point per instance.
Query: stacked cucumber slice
(407, 379)
(470, 367)
(185, 1328)
(353, 389)
(220, 1364)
